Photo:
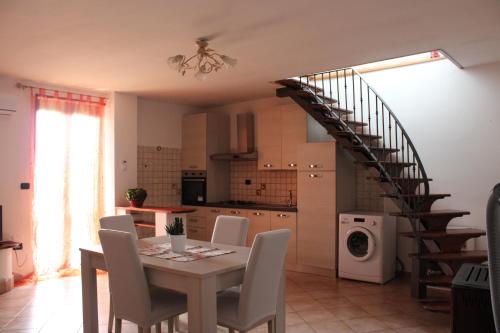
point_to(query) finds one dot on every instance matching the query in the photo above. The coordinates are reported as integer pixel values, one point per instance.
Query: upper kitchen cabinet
(194, 141)
(293, 133)
(279, 131)
(318, 156)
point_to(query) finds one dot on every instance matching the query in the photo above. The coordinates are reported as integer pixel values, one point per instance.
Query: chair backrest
(260, 289)
(230, 230)
(120, 223)
(127, 280)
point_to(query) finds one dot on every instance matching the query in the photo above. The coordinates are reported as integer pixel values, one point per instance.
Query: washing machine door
(360, 243)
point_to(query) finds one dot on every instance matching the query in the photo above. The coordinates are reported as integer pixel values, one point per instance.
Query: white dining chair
(230, 230)
(120, 223)
(132, 298)
(256, 302)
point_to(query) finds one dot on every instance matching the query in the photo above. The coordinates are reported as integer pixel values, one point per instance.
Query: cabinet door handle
(237, 212)
(292, 165)
(258, 214)
(313, 166)
(268, 165)
(312, 175)
(283, 216)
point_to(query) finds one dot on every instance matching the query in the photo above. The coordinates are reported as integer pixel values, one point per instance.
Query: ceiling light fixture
(205, 61)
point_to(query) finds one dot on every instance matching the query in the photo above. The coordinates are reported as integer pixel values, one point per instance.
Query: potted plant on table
(136, 196)
(177, 236)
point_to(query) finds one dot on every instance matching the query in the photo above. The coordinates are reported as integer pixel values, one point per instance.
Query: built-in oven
(194, 187)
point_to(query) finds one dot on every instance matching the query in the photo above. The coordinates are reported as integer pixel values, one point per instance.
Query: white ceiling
(122, 45)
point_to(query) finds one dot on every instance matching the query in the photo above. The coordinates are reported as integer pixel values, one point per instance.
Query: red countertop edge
(172, 210)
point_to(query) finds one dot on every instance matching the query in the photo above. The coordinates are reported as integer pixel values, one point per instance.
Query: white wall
(15, 168)
(160, 123)
(125, 142)
(453, 118)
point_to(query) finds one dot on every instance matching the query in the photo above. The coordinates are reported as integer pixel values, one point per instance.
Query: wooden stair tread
(448, 233)
(399, 179)
(431, 195)
(308, 94)
(437, 280)
(455, 256)
(323, 107)
(296, 84)
(407, 164)
(443, 212)
(362, 135)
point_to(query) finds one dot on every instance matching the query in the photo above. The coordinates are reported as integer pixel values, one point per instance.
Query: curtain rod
(19, 85)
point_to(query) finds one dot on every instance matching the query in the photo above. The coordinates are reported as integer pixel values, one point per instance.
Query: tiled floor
(314, 304)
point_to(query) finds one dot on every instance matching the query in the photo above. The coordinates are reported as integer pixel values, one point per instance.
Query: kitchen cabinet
(196, 224)
(212, 213)
(279, 131)
(293, 133)
(316, 203)
(287, 220)
(259, 221)
(319, 156)
(194, 142)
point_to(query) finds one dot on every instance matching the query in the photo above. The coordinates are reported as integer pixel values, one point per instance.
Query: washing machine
(367, 246)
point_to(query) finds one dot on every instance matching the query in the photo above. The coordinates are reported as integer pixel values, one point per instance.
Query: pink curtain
(68, 180)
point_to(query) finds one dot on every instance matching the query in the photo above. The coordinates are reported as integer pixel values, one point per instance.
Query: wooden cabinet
(293, 133)
(212, 213)
(279, 131)
(287, 220)
(317, 156)
(269, 139)
(260, 221)
(194, 142)
(196, 224)
(316, 219)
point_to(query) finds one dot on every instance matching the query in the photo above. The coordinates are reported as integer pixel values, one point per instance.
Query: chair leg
(118, 325)
(158, 327)
(146, 329)
(139, 329)
(111, 314)
(177, 323)
(271, 326)
(171, 322)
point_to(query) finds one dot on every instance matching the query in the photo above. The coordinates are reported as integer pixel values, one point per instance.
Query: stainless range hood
(246, 139)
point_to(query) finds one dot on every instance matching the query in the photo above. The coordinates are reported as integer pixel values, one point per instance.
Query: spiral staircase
(361, 122)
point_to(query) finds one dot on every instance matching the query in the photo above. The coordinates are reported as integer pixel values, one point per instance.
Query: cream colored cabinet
(212, 214)
(316, 203)
(293, 133)
(320, 156)
(269, 139)
(287, 220)
(259, 221)
(194, 142)
(196, 224)
(279, 131)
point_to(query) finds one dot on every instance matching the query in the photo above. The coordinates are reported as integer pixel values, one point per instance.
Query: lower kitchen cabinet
(260, 221)
(212, 214)
(196, 224)
(196, 233)
(287, 220)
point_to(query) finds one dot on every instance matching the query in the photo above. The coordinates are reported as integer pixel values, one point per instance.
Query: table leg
(202, 306)
(280, 311)
(89, 294)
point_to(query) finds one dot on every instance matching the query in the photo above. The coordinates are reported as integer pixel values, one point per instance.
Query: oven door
(194, 190)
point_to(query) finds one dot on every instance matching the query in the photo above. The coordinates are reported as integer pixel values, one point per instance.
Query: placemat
(192, 253)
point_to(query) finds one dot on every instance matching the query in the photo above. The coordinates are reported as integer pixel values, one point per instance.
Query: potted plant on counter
(136, 196)
(177, 236)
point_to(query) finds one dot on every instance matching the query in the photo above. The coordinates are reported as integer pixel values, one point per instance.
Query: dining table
(200, 280)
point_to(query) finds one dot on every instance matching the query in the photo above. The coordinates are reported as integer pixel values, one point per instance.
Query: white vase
(178, 243)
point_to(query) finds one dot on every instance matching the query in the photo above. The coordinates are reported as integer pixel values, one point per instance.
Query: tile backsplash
(264, 186)
(159, 173)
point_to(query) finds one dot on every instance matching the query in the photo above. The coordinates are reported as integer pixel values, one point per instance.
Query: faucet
(290, 198)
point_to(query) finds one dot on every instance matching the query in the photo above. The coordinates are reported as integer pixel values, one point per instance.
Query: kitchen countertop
(257, 206)
(150, 209)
